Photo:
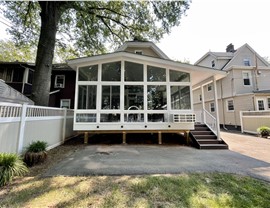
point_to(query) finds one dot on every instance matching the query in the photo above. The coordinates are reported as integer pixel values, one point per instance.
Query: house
(137, 89)
(245, 88)
(19, 75)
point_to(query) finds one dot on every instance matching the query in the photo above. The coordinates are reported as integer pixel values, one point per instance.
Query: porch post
(203, 104)
(216, 106)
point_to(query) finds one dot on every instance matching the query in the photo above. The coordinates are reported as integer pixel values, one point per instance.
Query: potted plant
(11, 165)
(264, 131)
(35, 153)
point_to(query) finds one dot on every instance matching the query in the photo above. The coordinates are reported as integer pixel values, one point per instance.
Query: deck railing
(210, 121)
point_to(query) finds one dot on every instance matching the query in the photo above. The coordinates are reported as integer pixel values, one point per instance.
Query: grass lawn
(187, 190)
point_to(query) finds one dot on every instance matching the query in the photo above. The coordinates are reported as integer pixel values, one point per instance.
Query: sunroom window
(111, 71)
(180, 97)
(134, 97)
(110, 97)
(87, 97)
(88, 73)
(133, 72)
(156, 97)
(156, 74)
(178, 76)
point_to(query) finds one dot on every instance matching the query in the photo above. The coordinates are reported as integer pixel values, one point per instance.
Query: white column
(216, 106)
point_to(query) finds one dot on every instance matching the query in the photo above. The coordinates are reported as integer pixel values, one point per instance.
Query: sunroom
(127, 93)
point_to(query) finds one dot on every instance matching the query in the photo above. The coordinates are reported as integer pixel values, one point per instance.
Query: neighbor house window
(59, 81)
(30, 76)
(209, 87)
(139, 52)
(65, 103)
(200, 97)
(268, 102)
(213, 64)
(212, 107)
(260, 105)
(230, 105)
(246, 62)
(246, 78)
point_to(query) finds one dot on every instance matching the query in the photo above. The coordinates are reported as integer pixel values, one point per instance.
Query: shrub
(11, 165)
(35, 153)
(264, 131)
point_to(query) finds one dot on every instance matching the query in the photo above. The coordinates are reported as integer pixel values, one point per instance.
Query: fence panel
(23, 124)
(251, 120)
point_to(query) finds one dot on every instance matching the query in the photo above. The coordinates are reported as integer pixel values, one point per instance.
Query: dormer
(146, 48)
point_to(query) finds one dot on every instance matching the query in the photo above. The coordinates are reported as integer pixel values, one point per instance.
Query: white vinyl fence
(21, 124)
(251, 120)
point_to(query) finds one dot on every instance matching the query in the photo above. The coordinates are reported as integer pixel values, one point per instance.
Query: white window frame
(212, 108)
(64, 100)
(209, 87)
(249, 76)
(246, 60)
(59, 85)
(263, 100)
(140, 52)
(227, 104)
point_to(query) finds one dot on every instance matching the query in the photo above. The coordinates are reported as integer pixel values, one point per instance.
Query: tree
(90, 26)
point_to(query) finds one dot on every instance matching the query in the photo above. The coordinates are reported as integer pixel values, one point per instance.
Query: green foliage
(12, 52)
(35, 153)
(264, 131)
(92, 26)
(11, 165)
(37, 146)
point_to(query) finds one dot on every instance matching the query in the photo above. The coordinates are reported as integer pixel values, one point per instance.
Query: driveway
(248, 155)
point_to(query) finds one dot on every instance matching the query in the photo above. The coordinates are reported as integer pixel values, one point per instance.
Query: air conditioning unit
(59, 85)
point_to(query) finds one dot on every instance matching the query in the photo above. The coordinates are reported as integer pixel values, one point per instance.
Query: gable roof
(216, 55)
(143, 44)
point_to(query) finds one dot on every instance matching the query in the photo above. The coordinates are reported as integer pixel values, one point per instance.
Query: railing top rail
(10, 104)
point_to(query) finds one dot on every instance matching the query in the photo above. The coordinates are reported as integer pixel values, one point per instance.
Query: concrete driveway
(248, 155)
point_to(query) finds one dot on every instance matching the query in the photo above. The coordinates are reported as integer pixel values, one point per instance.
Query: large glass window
(109, 117)
(156, 74)
(180, 97)
(87, 97)
(110, 97)
(177, 76)
(88, 73)
(133, 97)
(246, 78)
(156, 117)
(86, 117)
(133, 72)
(156, 97)
(111, 71)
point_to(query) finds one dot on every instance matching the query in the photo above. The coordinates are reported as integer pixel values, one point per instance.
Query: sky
(211, 25)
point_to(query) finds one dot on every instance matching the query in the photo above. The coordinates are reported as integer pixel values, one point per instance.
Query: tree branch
(104, 22)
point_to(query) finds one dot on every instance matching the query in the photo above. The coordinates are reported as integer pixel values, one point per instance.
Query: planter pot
(34, 158)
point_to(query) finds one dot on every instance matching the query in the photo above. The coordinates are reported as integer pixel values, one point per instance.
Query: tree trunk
(50, 15)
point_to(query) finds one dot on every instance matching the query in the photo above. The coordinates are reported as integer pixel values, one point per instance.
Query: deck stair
(203, 138)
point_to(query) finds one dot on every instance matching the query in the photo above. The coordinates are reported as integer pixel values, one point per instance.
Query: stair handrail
(210, 121)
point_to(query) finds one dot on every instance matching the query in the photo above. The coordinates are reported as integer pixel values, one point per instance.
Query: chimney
(230, 48)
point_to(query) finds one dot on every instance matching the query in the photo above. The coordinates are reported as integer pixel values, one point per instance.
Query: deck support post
(124, 138)
(159, 137)
(186, 134)
(85, 137)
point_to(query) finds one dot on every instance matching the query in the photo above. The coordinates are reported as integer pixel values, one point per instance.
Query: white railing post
(64, 124)
(203, 104)
(21, 129)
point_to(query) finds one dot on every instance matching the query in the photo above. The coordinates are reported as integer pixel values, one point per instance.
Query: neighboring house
(136, 89)
(245, 88)
(19, 75)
